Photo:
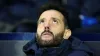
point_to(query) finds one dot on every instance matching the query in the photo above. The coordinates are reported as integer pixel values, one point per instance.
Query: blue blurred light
(88, 21)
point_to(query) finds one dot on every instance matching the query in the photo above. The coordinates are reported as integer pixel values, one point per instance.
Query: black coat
(71, 47)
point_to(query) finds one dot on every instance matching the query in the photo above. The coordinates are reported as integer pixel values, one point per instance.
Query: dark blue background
(29, 36)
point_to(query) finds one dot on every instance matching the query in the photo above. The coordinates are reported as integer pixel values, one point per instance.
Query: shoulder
(28, 46)
(79, 48)
(79, 53)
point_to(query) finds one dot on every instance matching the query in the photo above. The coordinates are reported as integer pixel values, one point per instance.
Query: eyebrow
(41, 19)
(51, 17)
(55, 18)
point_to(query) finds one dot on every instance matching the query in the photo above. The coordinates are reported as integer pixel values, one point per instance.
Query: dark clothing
(71, 47)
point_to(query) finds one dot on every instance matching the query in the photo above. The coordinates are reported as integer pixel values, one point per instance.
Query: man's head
(52, 25)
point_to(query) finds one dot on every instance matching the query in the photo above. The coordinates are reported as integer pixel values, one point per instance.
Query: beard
(54, 42)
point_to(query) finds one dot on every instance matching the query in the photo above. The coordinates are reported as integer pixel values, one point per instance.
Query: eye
(41, 21)
(55, 21)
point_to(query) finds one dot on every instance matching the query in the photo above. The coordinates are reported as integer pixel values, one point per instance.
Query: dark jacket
(71, 47)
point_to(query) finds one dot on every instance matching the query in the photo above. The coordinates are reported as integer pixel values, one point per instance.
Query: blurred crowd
(21, 15)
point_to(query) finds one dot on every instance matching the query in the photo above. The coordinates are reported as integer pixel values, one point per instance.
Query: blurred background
(21, 15)
(18, 20)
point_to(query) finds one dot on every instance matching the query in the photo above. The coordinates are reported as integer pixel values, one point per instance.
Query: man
(53, 37)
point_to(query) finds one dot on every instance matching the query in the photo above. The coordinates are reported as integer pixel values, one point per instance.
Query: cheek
(57, 29)
(40, 29)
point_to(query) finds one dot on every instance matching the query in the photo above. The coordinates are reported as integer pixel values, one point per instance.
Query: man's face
(50, 28)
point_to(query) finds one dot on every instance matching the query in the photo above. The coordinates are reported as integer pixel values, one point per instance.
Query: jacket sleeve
(79, 53)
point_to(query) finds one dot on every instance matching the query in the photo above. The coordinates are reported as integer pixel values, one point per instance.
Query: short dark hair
(58, 7)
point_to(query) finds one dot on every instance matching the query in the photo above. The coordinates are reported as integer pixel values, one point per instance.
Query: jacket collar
(32, 45)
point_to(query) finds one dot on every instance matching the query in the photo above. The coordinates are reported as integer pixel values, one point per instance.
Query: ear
(67, 33)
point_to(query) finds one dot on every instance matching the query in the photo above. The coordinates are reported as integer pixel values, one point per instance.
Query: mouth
(47, 36)
(46, 33)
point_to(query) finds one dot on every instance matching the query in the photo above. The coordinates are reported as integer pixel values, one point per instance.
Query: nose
(47, 26)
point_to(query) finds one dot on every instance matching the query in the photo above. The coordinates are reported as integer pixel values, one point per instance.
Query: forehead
(51, 13)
